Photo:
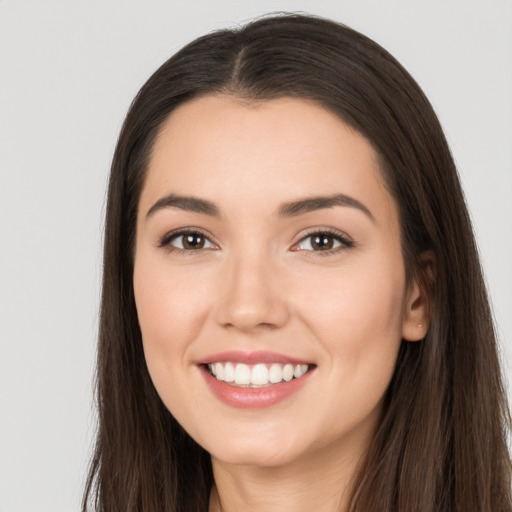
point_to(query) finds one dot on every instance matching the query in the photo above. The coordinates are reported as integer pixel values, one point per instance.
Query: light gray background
(68, 71)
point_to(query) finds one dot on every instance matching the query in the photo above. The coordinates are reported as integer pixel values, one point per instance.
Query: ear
(419, 300)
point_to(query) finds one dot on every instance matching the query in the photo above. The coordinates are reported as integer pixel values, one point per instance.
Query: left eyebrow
(187, 203)
(311, 204)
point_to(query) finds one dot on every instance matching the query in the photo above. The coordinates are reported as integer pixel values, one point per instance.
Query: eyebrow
(189, 204)
(291, 209)
(311, 204)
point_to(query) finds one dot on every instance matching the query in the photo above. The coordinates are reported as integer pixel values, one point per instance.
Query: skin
(258, 285)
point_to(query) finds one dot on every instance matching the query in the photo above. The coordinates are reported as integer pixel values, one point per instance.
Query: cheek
(356, 319)
(170, 309)
(169, 314)
(356, 313)
(169, 303)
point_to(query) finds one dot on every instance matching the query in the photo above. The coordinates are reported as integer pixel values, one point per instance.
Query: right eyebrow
(187, 203)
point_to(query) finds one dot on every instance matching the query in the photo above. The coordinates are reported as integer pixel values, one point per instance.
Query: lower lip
(253, 398)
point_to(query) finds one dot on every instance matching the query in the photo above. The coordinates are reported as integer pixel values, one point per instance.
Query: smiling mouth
(258, 375)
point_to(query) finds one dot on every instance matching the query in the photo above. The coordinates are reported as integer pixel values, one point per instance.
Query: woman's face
(268, 246)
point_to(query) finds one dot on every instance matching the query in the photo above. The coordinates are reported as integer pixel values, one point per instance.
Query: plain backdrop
(68, 72)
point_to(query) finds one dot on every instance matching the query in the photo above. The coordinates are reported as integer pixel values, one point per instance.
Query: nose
(252, 295)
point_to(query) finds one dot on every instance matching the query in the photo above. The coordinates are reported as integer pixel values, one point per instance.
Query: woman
(293, 310)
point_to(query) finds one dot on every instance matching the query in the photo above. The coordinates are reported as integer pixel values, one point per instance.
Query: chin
(261, 451)
(263, 457)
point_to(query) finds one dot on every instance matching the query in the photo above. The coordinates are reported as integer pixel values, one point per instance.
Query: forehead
(222, 148)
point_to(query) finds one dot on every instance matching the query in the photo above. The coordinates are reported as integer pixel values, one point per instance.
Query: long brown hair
(441, 445)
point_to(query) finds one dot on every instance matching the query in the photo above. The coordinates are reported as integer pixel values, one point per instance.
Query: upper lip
(260, 356)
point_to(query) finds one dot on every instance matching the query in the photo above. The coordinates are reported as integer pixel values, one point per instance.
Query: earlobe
(418, 306)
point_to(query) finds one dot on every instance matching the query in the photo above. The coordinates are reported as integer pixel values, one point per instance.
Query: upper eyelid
(335, 233)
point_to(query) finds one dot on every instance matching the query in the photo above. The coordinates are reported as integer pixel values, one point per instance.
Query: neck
(320, 483)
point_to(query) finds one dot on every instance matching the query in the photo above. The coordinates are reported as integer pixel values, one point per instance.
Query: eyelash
(345, 242)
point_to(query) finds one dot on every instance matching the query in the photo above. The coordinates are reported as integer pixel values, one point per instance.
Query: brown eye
(319, 242)
(323, 242)
(190, 241)
(193, 241)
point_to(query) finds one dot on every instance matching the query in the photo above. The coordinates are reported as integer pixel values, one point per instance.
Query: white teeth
(300, 370)
(229, 372)
(275, 373)
(242, 374)
(288, 372)
(257, 375)
(219, 371)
